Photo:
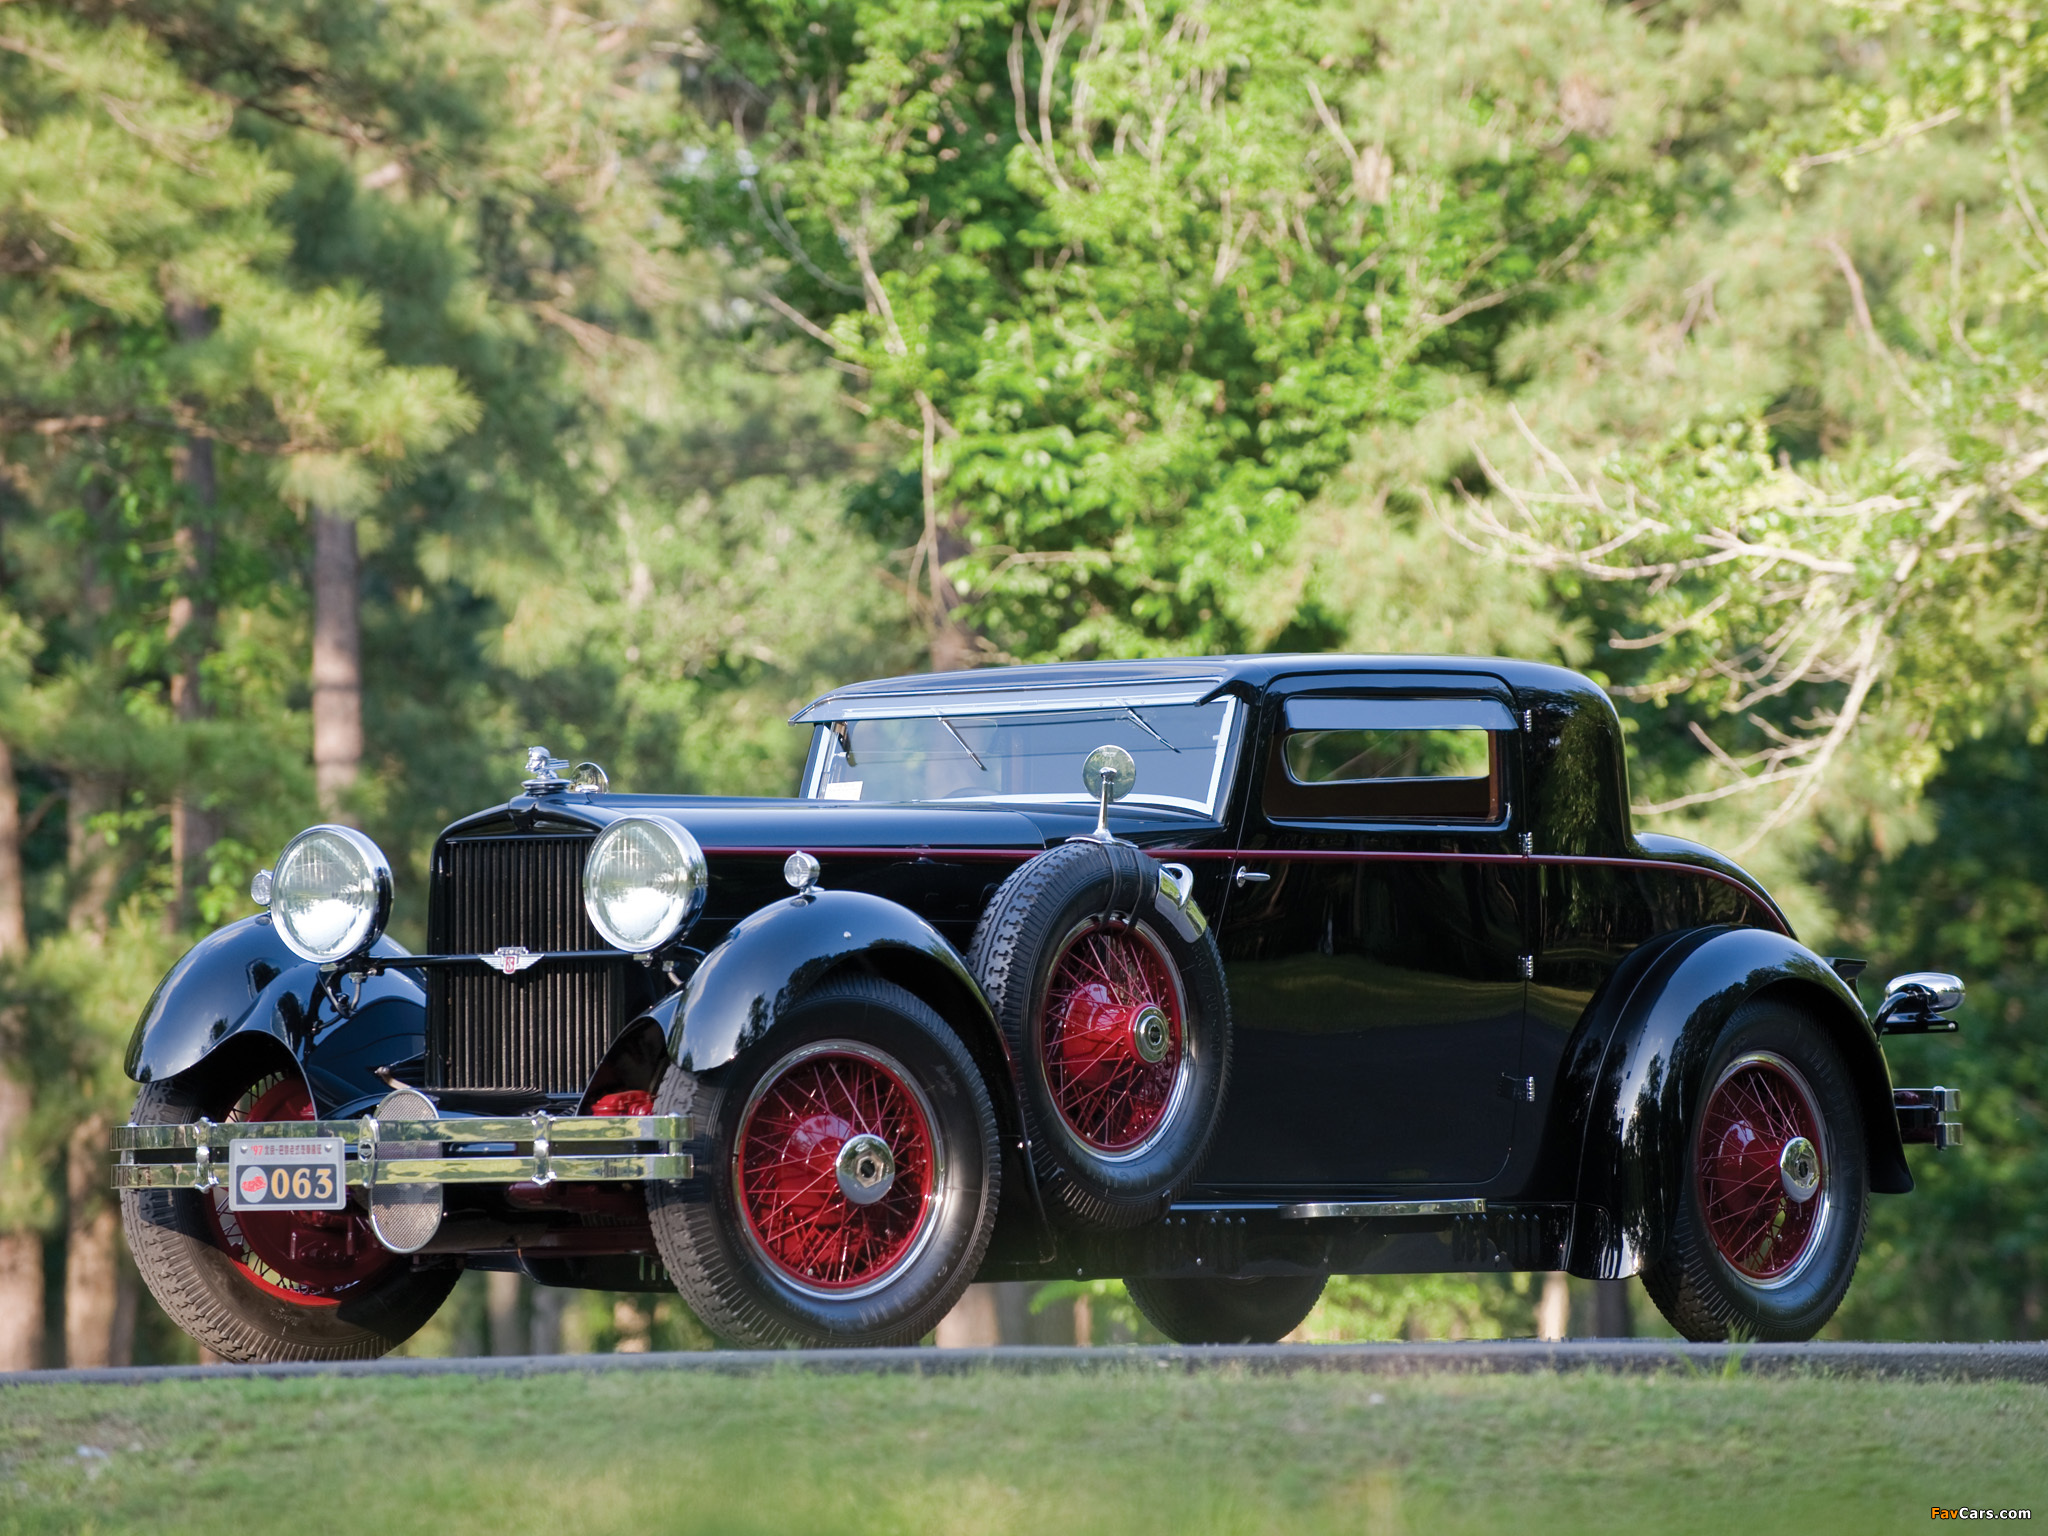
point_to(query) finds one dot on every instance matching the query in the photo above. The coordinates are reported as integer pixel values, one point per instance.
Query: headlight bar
(363, 1142)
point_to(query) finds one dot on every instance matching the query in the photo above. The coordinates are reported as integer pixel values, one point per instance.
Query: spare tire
(1107, 985)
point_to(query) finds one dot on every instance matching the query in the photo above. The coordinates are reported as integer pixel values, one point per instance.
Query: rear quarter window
(1389, 760)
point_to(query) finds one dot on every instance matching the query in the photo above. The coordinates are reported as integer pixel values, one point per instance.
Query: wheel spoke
(787, 1174)
(1750, 1117)
(1108, 1094)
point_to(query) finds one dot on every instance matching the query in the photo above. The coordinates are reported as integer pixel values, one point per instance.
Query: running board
(1379, 1210)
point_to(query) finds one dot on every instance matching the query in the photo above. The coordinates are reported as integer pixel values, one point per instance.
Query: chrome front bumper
(543, 1149)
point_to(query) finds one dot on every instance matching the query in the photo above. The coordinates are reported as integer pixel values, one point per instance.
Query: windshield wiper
(1140, 719)
(963, 744)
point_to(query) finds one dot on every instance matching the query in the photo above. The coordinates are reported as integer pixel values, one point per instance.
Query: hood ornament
(544, 772)
(544, 775)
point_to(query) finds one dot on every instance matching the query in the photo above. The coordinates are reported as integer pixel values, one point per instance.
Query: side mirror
(1918, 1003)
(1108, 773)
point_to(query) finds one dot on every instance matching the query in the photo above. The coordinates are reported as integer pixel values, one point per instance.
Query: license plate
(300, 1174)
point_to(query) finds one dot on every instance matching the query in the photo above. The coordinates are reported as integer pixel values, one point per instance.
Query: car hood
(764, 825)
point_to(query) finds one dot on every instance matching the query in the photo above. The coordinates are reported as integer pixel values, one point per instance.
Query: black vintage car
(1219, 975)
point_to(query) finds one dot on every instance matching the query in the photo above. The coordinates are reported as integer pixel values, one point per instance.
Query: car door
(1373, 942)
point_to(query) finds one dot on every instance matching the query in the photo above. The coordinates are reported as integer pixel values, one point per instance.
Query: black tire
(1706, 1295)
(183, 1249)
(721, 1261)
(1260, 1310)
(1085, 893)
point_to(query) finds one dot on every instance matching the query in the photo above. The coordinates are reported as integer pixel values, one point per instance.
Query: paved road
(1971, 1362)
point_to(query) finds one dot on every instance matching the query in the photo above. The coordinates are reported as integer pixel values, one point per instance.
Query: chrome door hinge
(1528, 842)
(1251, 876)
(1522, 1090)
(1528, 967)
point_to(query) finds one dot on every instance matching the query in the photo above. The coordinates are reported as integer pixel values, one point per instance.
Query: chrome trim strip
(1017, 698)
(1372, 1210)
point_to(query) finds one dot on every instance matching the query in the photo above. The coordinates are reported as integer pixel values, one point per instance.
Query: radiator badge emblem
(511, 958)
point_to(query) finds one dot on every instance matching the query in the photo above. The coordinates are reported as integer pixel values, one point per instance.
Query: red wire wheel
(835, 1169)
(310, 1258)
(1113, 1039)
(1762, 1168)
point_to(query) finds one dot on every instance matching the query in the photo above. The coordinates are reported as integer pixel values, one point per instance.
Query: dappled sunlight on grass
(1139, 1450)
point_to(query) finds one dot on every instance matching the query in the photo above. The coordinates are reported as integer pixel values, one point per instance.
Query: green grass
(1142, 1450)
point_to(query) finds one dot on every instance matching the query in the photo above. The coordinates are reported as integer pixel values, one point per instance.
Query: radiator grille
(547, 1027)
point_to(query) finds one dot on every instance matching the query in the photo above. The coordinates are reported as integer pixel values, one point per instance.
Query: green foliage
(1966, 1255)
(1126, 281)
(1367, 1308)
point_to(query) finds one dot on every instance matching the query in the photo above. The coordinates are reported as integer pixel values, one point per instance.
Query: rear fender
(241, 982)
(1652, 1070)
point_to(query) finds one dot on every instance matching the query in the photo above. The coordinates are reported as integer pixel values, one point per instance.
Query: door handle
(1251, 876)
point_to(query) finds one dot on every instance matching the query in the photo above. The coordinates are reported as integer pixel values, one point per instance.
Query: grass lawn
(1140, 1451)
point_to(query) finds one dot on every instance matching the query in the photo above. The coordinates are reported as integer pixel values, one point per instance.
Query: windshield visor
(1180, 750)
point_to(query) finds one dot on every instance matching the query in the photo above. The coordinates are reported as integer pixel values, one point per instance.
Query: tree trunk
(190, 630)
(501, 1306)
(1611, 1319)
(90, 857)
(972, 1323)
(549, 1302)
(952, 645)
(1554, 1309)
(21, 1246)
(92, 1250)
(13, 900)
(337, 661)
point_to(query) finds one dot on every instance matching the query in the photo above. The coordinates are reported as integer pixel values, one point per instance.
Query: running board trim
(1374, 1210)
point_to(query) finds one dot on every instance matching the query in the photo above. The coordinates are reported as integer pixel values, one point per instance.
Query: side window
(1388, 760)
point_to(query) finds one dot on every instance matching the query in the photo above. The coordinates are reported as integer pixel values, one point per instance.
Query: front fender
(1653, 1068)
(241, 981)
(772, 958)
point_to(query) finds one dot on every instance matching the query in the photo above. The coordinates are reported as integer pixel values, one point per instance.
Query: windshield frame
(1221, 772)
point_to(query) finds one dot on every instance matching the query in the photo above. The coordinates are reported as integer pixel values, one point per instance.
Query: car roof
(1185, 679)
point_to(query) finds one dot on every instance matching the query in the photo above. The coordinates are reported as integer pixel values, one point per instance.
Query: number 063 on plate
(303, 1174)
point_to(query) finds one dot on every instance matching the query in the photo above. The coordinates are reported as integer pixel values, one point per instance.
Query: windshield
(1180, 750)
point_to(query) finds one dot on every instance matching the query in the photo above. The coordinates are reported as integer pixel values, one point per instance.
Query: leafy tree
(1125, 281)
(434, 316)
(1967, 1255)
(163, 375)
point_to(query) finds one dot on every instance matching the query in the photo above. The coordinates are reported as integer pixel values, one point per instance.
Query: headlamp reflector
(644, 882)
(331, 893)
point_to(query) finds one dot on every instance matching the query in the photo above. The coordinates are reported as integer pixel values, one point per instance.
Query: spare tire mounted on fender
(1107, 984)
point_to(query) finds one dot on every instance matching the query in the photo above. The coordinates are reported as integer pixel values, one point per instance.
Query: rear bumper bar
(1926, 1116)
(538, 1149)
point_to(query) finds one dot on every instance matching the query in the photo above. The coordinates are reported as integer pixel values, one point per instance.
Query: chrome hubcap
(1799, 1169)
(866, 1169)
(1151, 1037)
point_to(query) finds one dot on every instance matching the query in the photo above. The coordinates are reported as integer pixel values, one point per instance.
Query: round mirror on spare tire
(1108, 986)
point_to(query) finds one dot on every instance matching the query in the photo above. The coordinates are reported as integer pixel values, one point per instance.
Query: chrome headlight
(644, 882)
(330, 895)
